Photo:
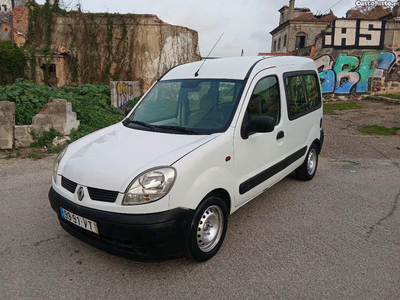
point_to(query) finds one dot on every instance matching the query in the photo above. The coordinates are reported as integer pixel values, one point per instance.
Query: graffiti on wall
(355, 34)
(351, 73)
(124, 93)
(6, 5)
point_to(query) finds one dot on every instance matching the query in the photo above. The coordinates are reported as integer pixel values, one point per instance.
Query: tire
(208, 229)
(309, 167)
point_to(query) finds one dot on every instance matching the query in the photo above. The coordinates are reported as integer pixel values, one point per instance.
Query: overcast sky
(245, 24)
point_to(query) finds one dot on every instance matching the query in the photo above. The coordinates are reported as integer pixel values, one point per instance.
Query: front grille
(68, 185)
(102, 195)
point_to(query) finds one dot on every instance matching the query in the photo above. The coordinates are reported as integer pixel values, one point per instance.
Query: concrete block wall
(23, 137)
(57, 114)
(7, 121)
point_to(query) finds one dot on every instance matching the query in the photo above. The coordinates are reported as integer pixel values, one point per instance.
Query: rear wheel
(208, 229)
(309, 167)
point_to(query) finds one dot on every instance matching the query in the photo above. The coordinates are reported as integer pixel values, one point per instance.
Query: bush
(46, 140)
(91, 103)
(131, 104)
(12, 62)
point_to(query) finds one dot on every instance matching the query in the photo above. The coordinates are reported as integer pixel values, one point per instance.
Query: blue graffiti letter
(345, 78)
(383, 59)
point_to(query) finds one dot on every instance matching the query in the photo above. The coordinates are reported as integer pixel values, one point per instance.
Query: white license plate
(79, 221)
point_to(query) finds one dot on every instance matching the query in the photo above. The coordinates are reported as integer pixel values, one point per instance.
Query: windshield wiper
(140, 123)
(177, 128)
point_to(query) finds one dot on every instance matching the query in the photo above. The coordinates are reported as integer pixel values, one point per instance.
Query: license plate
(79, 221)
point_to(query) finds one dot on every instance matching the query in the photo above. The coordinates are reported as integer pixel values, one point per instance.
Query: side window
(265, 100)
(303, 94)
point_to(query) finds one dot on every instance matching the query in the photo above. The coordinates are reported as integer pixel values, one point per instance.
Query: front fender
(204, 170)
(188, 194)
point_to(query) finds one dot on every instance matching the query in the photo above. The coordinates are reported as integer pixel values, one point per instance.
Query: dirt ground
(345, 125)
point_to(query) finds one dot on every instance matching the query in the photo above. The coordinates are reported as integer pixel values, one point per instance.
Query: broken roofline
(277, 29)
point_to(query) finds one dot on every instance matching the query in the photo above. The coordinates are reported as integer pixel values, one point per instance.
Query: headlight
(57, 162)
(150, 186)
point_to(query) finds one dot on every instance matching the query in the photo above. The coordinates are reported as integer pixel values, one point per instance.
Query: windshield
(199, 106)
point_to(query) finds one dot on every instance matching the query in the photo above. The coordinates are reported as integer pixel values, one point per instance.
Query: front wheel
(208, 229)
(309, 167)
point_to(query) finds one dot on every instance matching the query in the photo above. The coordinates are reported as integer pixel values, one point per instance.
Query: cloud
(260, 35)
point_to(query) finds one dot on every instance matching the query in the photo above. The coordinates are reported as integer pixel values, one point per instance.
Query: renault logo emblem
(81, 193)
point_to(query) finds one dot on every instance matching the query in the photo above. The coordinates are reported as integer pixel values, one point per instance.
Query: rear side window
(303, 94)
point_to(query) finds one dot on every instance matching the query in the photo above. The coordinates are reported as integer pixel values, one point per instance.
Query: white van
(198, 146)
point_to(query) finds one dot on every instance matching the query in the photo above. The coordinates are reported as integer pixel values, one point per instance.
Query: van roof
(235, 67)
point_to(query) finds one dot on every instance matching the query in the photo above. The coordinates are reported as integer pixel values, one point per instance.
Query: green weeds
(329, 108)
(379, 130)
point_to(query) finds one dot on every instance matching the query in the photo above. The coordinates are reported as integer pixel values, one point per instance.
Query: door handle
(280, 135)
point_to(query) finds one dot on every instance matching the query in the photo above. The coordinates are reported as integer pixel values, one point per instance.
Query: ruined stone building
(12, 19)
(356, 56)
(298, 28)
(95, 47)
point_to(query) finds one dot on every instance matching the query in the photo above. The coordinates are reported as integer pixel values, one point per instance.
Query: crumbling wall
(5, 32)
(7, 121)
(14, 21)
(121, 47)
(57, 114)
(6, 7)
(20, 25)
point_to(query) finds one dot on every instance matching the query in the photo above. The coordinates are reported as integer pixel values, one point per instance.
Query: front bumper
(157, 235)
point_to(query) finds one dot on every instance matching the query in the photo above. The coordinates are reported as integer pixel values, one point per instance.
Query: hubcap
(311, 162)
(209, 229)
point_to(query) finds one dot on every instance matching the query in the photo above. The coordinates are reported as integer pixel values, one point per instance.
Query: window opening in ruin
(301, 40)
(52, 74)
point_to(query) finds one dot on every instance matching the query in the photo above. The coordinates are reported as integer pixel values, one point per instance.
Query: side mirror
(127, 111)
(258, 124)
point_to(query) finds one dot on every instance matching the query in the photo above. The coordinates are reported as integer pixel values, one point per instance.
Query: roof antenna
(197, 72)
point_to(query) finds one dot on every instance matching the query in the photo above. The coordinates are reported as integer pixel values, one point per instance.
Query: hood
(111, 158)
